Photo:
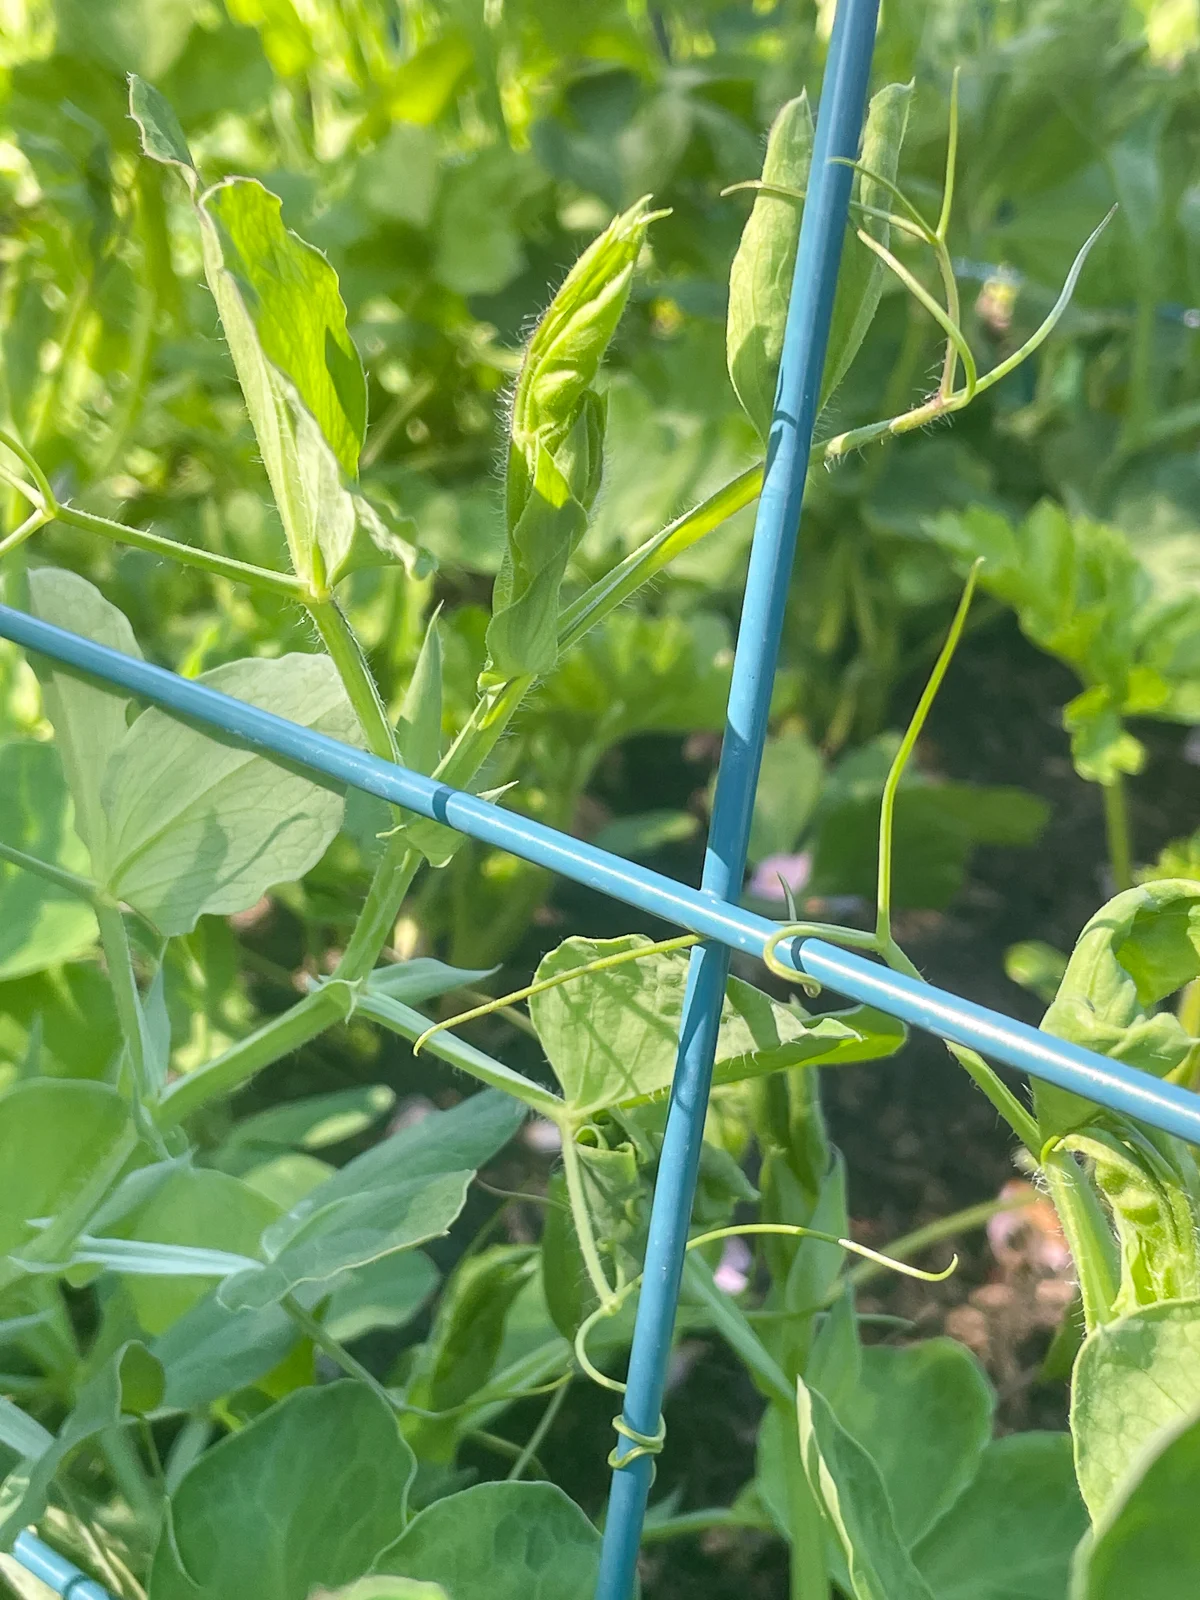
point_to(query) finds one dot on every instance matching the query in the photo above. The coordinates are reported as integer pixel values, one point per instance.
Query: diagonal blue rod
(1108, 1083)
(806, 337)
(54, 1570)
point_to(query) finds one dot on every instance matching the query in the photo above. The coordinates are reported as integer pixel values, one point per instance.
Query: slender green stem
(119, 959)
(37, 518)
(390, 882)
(336, 1351)
(601, 964)
(582, 1218)
(943, 223)
(545, 1423)
(40, 479)
(887, 809)
(943, 318)
(188, 555)
(1116, 828)
(347, 656)
(1089, 1235)
(693, 1522)
(624, 580)
(242, 1061)
(84, 888)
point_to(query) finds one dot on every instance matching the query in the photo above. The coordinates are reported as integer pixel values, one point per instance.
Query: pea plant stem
(335, 1350)
(118, 957)
(347, 655)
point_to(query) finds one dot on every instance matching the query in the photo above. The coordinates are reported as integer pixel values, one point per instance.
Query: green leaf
(556, 454)
(924, 1413)
(61, 1144)
(314, 1123)
(305, 1497)
(285, 323)
(385, 1589)
(458, 1357)
(850, 1490)
(210, 1351)
(384, 1294)
(89, 722)
(423, 978)
(200, 825)
(760, 281)
(336, 1235)
(291, 295)
(1134, 1378)
(162, 137)
(130, 1382)
(612, 1036)
(1012, 1531)
(468, 1136)
(1135, 951)
(193, 1207)
(419, 728)
(500, 1541)
(40, 924)
(1147, 1547)
(862, 274)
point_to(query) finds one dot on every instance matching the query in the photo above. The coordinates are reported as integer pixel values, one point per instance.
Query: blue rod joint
(54, 1570)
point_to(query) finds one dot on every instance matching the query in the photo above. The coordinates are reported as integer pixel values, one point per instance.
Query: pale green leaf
(40, 924)
(612, 1036)
(20, 1432)
(210, 1351)
(1133, 1379)
(760, 282)
(924, 1412)
(89, 721)
(61, 1143)
(387, 1293)
(161, 135)
(500, 1541)
(350, 1231)
(1011, 1534)
(305, 1497)
(850, 1490)
(1147, 1547)
(200, 825)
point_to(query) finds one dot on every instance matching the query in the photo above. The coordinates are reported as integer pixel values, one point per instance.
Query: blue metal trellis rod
(1109, 1083)
(56, 1571)
(802, 361)
(1106, 1082)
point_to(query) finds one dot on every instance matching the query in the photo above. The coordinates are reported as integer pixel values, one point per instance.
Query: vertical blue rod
(839, 125)
(61, 1575)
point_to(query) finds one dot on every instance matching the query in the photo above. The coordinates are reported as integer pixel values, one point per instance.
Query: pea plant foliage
(186, 1404)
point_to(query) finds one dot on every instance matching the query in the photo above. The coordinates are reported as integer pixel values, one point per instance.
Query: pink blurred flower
(793, 870)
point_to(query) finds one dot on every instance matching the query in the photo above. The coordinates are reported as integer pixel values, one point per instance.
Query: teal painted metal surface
(802, 361)
(55, 1571)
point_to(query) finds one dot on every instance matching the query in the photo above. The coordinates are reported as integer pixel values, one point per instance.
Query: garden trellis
(710, 912)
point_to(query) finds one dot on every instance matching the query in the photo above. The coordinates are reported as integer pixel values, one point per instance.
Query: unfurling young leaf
(760, 282)
(555, 456)
(305, 390)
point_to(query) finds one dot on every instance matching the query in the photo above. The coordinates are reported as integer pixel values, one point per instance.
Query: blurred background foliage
(452, 159)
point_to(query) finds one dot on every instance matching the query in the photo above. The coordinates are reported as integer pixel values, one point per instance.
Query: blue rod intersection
(802, 361)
